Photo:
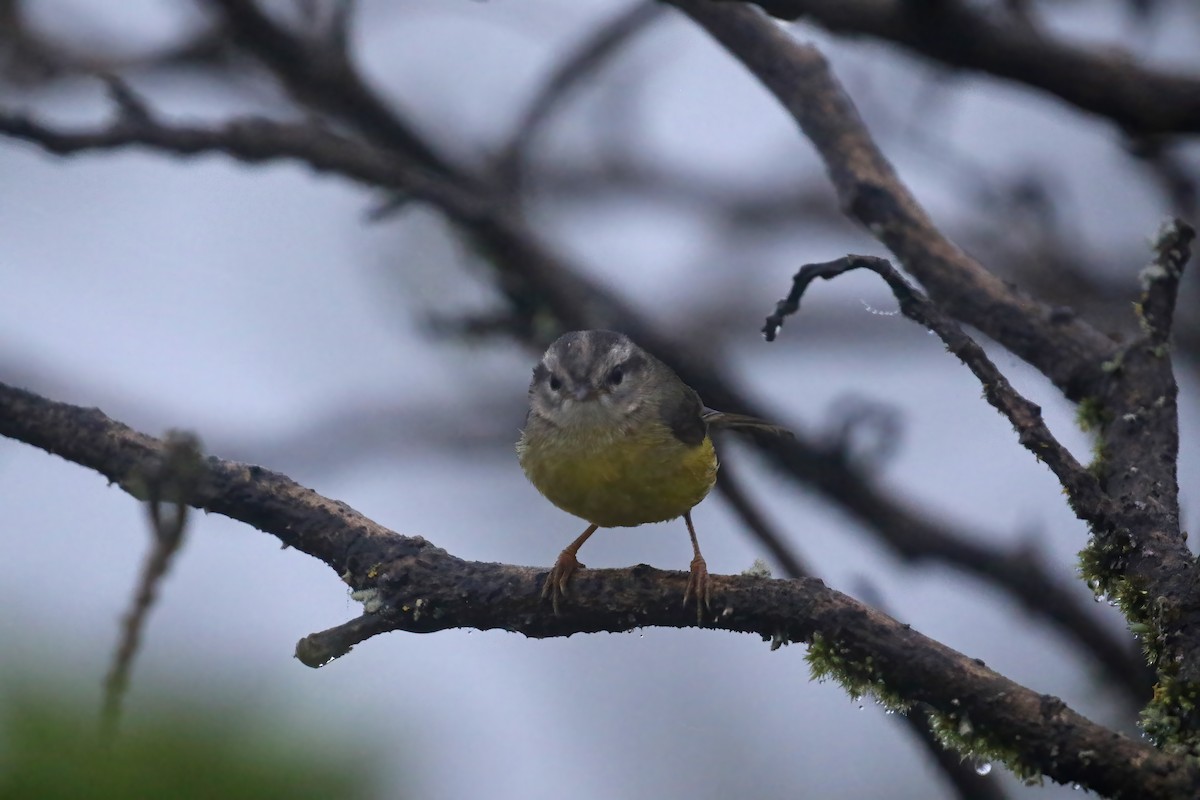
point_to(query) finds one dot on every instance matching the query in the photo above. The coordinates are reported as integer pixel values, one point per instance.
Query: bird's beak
(583, 393)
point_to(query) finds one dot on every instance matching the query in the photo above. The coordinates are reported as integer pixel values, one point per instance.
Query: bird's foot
(555, 586)
(698, 587)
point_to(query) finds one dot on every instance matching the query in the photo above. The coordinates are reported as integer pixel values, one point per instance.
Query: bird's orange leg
(555, 586)
(697, 585)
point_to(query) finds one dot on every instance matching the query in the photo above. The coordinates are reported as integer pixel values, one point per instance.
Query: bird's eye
(615, 377)
(555, 383)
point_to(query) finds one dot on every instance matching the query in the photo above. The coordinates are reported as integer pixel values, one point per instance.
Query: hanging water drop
(983, 767)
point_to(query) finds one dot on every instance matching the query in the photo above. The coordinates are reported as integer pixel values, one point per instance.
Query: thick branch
(1065, 349)
(969, 36)
(1142, 558)
(418, 587)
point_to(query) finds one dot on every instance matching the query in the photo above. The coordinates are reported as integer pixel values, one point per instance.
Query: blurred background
(311, 325)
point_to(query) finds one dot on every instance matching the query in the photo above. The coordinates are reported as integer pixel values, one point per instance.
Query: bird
(615, 437)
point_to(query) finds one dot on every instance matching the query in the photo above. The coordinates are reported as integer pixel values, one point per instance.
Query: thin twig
(764, 532)
(578, 66)
(318, 73)
(1082, 488)
(170, 485)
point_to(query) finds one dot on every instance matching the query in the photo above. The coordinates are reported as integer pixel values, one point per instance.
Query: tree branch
(1141, 557)
(1065, 349)
(256, 140)
(1082, 488)
(414, 586)
(538, 282)
(967, 36)
(581, 63)
(320, 74)
(172, 481)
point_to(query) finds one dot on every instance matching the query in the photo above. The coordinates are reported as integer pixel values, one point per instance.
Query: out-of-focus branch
(579, 65)
(1064, 348)
(318, 72)
(967, 35)
(408, 584)
(1179, 185)
(538, 281)
(770, 538)
(27, 58)
(253, 140)
(169, 485)
(957, 771)
(748, 207)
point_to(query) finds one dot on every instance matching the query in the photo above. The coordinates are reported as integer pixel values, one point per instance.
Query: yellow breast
(613, 478)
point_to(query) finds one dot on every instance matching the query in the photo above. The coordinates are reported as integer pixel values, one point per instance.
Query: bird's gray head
(591, 379)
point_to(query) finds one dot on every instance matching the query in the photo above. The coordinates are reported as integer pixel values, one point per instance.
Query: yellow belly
(618, 479)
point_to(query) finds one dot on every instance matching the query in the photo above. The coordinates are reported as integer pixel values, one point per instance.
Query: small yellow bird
(614, 436)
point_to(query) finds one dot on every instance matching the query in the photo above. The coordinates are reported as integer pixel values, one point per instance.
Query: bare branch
(257, 140)
(1065, 349)
(174, 480)
(964, 35)
(1139, 553)
(1172, 250)
(770, 538)
(319, 73)
(589, 56)
(318, 649)
(1082, 488)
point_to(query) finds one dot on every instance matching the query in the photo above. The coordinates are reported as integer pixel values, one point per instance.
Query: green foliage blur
(50, 748)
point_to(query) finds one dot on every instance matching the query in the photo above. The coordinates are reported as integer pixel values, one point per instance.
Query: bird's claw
(555, 587)
(698, 586)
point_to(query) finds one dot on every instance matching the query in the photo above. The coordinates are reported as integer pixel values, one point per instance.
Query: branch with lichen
(1139, 557)
(409, 584)
(1138, 553)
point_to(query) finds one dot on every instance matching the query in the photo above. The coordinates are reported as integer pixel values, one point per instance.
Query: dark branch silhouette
(1064, 348)
(964, 35)
(604, 43)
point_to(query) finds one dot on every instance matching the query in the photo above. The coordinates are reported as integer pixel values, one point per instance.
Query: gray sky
(254, 305)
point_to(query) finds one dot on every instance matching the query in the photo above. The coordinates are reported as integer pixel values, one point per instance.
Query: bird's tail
(721, 420)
